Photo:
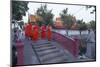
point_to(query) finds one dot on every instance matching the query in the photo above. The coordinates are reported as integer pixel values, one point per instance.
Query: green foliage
(19, 9)
(66, 18)
(82, 25)
(92, 24)
(45, 14)
(40, 23)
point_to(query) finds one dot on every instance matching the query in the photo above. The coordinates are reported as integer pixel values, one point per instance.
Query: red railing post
(20, 52)
(76, 46)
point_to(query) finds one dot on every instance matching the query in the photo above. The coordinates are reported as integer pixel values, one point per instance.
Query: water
(71, 32)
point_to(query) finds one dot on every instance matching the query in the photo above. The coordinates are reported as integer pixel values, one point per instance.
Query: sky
(78, 11)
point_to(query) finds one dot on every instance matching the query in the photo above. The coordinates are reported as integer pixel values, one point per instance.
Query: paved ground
(43, 52)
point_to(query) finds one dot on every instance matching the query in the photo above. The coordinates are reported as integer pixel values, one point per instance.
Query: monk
(49, 32)
(43, 32)
(35, 35)
(30, 30)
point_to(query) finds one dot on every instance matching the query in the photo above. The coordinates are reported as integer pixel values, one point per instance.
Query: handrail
(66, 43)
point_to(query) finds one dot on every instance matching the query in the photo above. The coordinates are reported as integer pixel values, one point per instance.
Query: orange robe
(43, 32)
(35, 33)
(49, 33)
(30, 30)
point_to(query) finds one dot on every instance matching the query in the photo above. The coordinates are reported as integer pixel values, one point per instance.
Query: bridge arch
(69, 44)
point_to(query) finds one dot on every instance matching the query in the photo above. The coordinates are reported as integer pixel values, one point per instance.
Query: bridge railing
(20, 53)
(67, 43)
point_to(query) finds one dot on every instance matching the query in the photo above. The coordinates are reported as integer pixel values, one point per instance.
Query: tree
(66, 18)
(82, 25)
(19, 9)
(94, 8)
(45, 14)
(92, 24)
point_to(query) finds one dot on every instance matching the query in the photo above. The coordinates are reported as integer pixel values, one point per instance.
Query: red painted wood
(67, 43)
(20, 53)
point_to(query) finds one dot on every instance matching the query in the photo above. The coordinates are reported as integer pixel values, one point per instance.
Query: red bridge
(67, 43)
(60, 49)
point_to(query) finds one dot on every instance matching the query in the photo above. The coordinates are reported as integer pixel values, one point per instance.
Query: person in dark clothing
(14, 56)
(82, 48)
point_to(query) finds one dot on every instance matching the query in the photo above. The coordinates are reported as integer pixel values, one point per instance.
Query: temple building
(32, 18)
(35, 18)
(58, 23)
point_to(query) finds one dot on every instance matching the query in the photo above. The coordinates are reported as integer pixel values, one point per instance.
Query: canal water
(71, 32)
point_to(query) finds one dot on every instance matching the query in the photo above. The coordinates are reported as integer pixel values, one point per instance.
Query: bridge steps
(48, 53)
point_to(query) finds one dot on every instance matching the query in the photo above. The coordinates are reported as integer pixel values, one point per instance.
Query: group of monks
(35, 32)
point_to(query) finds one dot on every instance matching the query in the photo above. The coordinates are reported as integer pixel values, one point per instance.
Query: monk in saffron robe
(35, 33)
(43, 32)
(30, 30)
(49, 32)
